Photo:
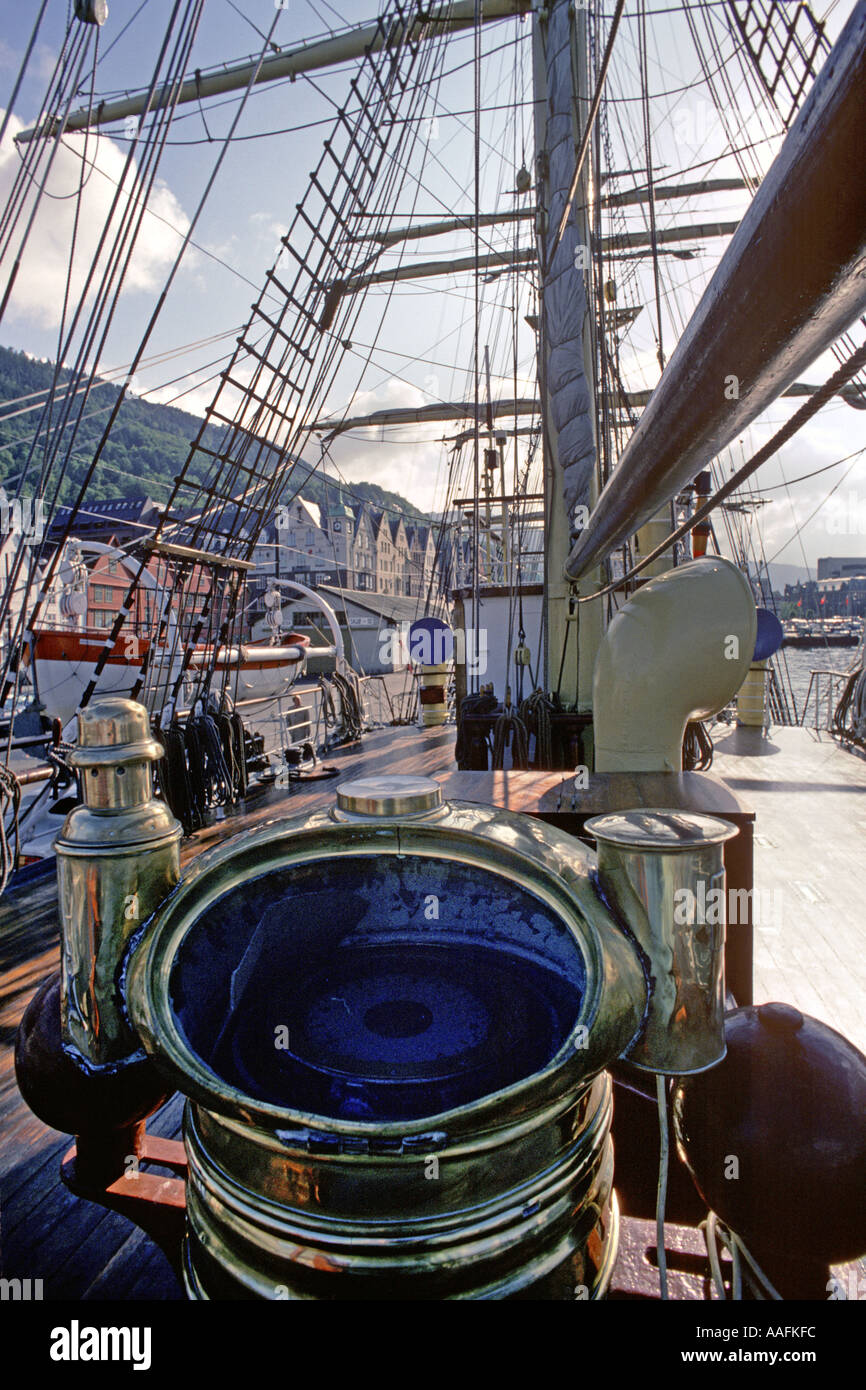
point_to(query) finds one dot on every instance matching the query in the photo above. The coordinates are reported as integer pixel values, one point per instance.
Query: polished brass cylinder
(663, 873)
(523, 1207)
(450, 989)
(752, 696)
(117, 858)
(433, 694)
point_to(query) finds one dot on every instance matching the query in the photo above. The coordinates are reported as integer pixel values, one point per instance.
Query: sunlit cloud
(41, 284)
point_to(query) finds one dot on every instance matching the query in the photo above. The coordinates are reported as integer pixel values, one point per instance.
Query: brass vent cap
(113, 730)
(389, 796)
(667, 831)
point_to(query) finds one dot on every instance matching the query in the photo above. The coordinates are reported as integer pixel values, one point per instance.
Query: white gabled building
(364, 552)
(305, 549)
(362, 548)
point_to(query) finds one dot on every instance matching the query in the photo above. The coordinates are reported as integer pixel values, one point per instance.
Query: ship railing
(822, 699)
(138, 627)
(386, 707)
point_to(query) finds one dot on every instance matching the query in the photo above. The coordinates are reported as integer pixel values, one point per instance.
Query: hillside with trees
(148, 446)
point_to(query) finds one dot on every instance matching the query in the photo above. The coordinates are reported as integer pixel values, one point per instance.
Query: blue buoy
(431, 642)
(770, 635)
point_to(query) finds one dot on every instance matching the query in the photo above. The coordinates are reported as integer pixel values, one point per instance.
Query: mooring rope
(510, 723)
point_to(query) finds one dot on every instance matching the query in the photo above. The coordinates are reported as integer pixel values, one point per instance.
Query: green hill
(148, 446)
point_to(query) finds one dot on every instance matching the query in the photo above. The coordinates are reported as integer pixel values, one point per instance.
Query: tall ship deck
(796, 796)
(452, 893)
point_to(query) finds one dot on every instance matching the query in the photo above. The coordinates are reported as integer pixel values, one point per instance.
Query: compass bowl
(391, 1024)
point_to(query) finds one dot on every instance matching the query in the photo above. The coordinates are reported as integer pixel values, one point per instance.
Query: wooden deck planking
(809, 796)
(69, 1242)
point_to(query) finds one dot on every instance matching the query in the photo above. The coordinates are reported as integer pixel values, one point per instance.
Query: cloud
(197, 390)
(410, 459)
(43, 60)
(824, 514)
(834, 525)
(41, 282)
(268, 229)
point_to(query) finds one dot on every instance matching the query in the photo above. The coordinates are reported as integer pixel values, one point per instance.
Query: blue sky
(423, 350)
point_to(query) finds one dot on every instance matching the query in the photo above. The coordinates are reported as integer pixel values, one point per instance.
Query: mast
(570, 460)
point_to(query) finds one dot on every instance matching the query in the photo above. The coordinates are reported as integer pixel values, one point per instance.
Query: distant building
(371, 625)
(401, 556)
(384, 554)
(829, 598)
(305, 549)
(422, 559)
(364, 552)
(338, 522)
(841, 566)
(362, 548)
(109, 578)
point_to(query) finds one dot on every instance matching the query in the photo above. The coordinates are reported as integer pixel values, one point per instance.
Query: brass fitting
(118, 856)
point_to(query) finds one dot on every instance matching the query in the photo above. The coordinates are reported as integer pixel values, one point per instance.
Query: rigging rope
(590, 120)
(509, 730)
(235, 457)
(651, 202)
(10, 800)
(31, 44)
(104, 307)
(796, 422)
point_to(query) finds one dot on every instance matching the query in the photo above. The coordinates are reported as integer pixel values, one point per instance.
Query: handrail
(831, 703)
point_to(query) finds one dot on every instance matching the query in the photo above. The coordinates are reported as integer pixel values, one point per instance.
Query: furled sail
(570, 401)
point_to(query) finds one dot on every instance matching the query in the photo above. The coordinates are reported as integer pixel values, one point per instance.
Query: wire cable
(661, 1194)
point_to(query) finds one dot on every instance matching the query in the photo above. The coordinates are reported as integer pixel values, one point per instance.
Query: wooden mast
(560, 49)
